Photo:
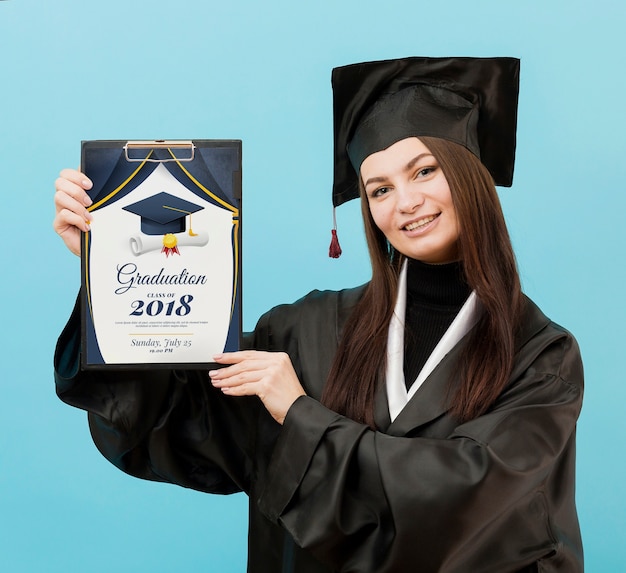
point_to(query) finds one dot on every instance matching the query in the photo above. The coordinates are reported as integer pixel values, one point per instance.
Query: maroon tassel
(334, 251)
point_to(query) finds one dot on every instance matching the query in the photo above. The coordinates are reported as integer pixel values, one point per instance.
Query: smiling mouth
(421, 223)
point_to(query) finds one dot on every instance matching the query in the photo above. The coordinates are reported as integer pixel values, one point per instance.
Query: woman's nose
(408, 199)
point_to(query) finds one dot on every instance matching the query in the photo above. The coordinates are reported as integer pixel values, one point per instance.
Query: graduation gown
(422, 494)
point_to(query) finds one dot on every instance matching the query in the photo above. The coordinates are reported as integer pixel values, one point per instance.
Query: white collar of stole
(397, 394)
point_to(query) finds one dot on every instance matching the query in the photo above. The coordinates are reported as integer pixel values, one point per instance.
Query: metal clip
(159, 144)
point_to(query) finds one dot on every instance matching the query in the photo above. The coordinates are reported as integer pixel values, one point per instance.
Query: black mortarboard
(471, 101)
(163, 213)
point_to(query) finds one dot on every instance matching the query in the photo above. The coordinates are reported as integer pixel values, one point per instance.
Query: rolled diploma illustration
(140, 244)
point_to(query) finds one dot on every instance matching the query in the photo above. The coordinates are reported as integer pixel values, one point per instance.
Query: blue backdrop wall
(260, 72)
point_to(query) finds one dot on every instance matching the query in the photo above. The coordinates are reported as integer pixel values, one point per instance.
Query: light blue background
(260, 71)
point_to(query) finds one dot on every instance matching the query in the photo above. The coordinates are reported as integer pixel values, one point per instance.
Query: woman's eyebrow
(374, 180)
(415, 160)
(407, 167)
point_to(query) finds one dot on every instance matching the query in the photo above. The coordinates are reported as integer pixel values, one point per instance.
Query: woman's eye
(425, 171)
(380, 191)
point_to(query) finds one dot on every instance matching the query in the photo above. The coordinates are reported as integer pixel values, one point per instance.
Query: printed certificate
(161, 265)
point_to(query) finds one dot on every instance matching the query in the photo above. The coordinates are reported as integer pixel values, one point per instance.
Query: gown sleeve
(163, 425)
(174, 426)
(492, 492)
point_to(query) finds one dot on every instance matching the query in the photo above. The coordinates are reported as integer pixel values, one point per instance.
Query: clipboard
(161, 264)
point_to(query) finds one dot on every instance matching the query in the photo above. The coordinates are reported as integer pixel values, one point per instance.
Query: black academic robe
(423, 494)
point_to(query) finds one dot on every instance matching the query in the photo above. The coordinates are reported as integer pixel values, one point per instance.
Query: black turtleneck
(435, 294)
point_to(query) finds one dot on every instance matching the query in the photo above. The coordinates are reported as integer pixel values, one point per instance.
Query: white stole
(397, 394)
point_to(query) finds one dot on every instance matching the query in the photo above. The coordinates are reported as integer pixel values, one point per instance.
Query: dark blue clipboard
(133, 315)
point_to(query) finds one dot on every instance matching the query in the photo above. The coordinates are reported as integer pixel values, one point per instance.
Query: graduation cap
(163, 213)
(471, 101)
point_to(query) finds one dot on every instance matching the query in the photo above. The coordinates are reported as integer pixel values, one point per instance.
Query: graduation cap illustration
(164, 213)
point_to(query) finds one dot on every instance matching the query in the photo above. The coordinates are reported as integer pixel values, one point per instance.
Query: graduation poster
(161, 265)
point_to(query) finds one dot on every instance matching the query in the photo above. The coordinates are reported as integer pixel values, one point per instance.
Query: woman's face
(410, 201)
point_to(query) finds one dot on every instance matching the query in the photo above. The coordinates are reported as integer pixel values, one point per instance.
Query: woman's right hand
(71, 202)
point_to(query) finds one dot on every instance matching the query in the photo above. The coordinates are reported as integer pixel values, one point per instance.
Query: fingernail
(87, 200)
(217, 356)
(87, 184)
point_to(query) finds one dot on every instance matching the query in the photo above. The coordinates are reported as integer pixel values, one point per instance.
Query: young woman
(422, 422)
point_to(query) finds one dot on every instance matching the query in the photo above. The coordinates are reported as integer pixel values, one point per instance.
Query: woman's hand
(71, 202)
(268, 375)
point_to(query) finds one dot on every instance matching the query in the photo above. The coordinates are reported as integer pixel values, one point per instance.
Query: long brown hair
(490, 270)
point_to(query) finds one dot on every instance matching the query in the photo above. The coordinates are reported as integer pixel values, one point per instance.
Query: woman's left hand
(268, 375)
